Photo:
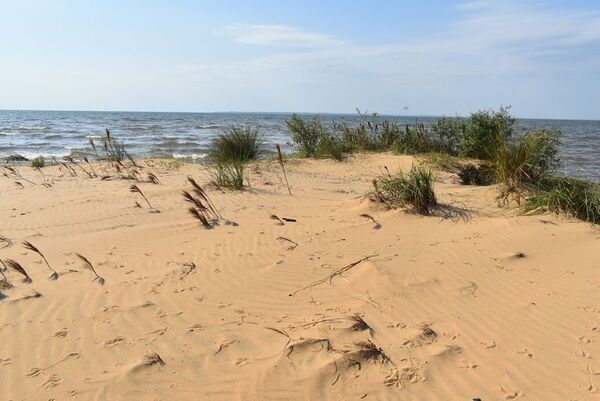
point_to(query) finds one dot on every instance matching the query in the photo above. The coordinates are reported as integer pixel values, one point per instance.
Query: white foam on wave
(193, 156)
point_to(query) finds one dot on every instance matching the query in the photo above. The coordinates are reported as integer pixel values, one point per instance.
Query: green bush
(413, 140)
(414, 189)
(239, 144)
(38, 162)
(485, 130)
(307, 134)
(569, 196)
(448, 133)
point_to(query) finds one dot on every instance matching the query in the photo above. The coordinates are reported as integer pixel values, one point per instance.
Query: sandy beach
(475, 301)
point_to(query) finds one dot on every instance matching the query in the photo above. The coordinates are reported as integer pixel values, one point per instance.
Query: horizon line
(293, 112)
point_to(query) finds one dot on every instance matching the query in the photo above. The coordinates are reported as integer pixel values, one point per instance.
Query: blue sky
(398, 57)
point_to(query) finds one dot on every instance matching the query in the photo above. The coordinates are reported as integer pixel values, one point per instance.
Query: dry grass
(369, 351)
(28, 245)
(202, 207)
(153, 178)
(5, 242)
(88, 265)
(135, 189)
(14, 265)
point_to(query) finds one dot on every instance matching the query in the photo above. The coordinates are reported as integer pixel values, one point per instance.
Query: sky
(542, 57)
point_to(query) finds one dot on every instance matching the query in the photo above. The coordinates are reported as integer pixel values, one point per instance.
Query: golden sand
(473, 302)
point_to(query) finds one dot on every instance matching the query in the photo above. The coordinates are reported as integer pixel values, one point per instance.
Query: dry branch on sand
(291, 247)
(337, 272)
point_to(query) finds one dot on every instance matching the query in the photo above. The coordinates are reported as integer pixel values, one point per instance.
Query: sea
(187, 135)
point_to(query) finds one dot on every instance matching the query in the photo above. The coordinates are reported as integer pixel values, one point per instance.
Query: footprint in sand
(490, 345)
(61, 333)
(52, 381)
(4, 362)
(114, 341)
(525, 351)
(511, 395)
(584, 340)
(158, 332)
(584, 354)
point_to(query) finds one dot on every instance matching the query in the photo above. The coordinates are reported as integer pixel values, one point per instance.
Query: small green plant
(38, 162)
(227, 174)
(414, 189)
(569, 196)
(241, 144)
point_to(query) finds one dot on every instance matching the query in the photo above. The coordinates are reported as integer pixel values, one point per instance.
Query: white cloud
(277, 35)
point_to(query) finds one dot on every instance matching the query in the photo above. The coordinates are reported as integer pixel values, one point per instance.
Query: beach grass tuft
(414, 189)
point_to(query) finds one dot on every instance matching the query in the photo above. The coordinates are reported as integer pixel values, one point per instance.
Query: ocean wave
(32, 127)
(7, 133)
(207, 126)
(193, 156)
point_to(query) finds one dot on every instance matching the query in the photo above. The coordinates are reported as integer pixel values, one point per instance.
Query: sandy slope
(446, 300)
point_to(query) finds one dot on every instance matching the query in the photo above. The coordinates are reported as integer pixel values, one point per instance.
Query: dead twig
(291, 247)
(280, 159)
(336, 273)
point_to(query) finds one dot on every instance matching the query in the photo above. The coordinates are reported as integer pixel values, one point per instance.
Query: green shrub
(448, 133)
(523, 161)
(38, 162)
(414, 189)
(485, 130)
(569, 196)
(240, 144)
(413, 140)
(331, 147)
(227, 173)
(307, 134)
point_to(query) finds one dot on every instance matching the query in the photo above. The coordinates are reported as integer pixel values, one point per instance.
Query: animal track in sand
(6, 361)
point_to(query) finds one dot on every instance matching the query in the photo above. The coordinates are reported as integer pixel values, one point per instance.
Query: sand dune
(475, 302)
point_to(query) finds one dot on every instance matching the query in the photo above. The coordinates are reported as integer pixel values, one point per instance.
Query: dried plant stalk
(14, 265)
(28, 245)
(280, 159)
(88, 265)
(134, 188)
